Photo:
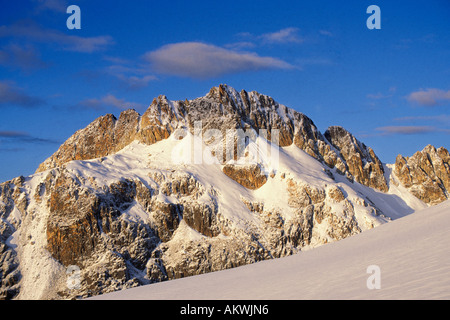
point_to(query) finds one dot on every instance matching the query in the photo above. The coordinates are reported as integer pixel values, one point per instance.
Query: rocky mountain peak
(224, 108)
(361, 160)
(225, 94)
(426, 174)
(126, 214)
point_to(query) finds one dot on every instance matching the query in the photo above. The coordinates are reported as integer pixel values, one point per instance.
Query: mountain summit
(223, 108)
(196, 186)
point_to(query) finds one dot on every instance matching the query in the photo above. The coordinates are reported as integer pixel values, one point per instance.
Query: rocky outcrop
(360, 160)
(84, 227)
(159, 121)
(426, 174)
(13, 205)
(102, 137)
(72, 229)
(249, 176)
(201, 217)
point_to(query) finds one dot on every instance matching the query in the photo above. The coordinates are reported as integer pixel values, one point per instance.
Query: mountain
(196, 186)
(411, 253)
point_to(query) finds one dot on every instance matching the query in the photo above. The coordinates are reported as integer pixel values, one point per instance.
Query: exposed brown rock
(166, 217)
(250, 176)
(361, 161)
(301, 194)
(335, 193)
(126, 129)
(94, 141)
(426, 174)
(72, 229)
(200, 217)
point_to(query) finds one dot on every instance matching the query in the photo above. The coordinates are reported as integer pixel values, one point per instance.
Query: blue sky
(389, 87)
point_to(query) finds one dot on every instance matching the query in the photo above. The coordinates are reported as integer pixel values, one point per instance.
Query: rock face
(360, 160)
(426, 174)
(125, 214)
(86, 228)
(102, 137)
(10, 195)
(250, 177)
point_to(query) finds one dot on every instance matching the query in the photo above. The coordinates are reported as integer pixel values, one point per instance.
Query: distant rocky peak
(341, 139)
(426, 174)
(224, 94)
(362, 162)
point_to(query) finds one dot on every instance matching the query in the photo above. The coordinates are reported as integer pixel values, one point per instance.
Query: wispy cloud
(379, 95)
(33, 32)
(23, 137)
(290, 35)
(131, 74)
(26, 58)
(10, 94)
(13, 134)
(201, 60)
(110, 100)
(326, 33)
(287, 35)
(135, 82)
(240, 45)
(429, 97)
(52, 5)
(443, 118)
(416, 125)
(405, 130)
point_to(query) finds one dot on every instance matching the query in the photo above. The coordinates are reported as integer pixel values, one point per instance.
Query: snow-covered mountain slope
(253, 225)
(411, 253)
(192, 187)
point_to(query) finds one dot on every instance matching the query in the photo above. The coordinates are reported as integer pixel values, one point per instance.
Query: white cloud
(429, 97)
(287, 35)
(200, 60)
